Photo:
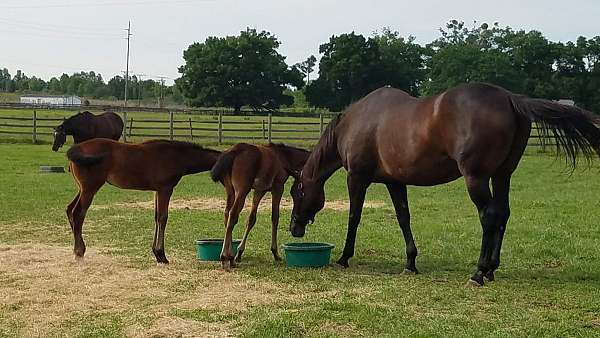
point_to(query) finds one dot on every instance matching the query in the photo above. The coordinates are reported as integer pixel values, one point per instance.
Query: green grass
(548, 283)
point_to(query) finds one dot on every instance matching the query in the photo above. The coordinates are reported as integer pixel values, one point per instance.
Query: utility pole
(161, 101)
(127, 67)
(140, 88)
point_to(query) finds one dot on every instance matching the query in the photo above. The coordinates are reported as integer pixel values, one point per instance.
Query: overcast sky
(50, 37)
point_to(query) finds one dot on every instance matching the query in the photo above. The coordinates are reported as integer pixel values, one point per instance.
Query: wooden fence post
(125, 129)
(220, 128)
(270, 126)
(171, 125)
(34, 127)
(191, 130)
(130, 126)
(264, 130)
(321, 123)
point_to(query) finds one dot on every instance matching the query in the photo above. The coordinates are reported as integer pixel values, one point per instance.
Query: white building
(51, 100)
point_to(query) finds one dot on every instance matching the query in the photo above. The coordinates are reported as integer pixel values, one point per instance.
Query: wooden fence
(218, 128)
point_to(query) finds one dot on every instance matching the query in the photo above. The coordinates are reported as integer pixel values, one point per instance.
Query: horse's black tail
(76, 156)
(223, 165)
(575, 130)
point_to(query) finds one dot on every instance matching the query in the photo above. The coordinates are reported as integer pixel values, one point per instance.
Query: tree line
(89, 85)
(247, 70)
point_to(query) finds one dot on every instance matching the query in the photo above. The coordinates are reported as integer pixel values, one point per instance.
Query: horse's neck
(293, 159)
(322, 162)
(199, 160)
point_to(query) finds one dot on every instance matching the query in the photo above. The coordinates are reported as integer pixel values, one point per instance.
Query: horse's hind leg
(400, 201)
(258, 195)
(79, 211)
(70, 210)
(276, 200)
(501, 187)
(230, 199)
(161, 202)
(238, 204)
(480, 194)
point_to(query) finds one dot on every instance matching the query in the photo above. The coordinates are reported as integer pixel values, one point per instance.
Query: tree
(463, 55)
(307, 66)
(348, 70)
(403, 60)
(352, 66)
(237, 70)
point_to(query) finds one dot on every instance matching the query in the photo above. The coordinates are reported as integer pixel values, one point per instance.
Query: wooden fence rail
(218, 129)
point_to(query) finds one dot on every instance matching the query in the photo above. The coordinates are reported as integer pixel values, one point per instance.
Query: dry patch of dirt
(219, 204)
(44, 287)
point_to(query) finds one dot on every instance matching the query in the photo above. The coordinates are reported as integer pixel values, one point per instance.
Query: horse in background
(156, 165)
(260, 167)
(86, 126)
(477, 130)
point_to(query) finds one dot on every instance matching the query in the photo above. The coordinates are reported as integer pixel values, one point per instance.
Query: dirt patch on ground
(43, 289)
(219, 204)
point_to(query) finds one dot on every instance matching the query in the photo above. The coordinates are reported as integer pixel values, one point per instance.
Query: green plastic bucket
(307, 254)
(210, 249)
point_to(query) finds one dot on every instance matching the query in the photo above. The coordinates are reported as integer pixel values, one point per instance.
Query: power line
(108, 4)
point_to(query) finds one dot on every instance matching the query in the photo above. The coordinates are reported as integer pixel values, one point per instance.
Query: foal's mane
(323, 147)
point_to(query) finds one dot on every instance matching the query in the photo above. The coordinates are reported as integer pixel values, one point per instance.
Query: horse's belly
(426, 172)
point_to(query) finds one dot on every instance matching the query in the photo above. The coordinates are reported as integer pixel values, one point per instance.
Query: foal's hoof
(226, 265)
(490, 276)
(410, 272)
(79, 259)
(238, 256)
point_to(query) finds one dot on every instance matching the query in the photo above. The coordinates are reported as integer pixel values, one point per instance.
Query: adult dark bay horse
(86, 126)
(153, 165)
(263, 168)
(477, 130)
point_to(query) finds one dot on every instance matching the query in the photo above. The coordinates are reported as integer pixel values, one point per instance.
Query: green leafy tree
(307, 66)
(463, 55)
(348, 70)
(235, 71)
(402, 60)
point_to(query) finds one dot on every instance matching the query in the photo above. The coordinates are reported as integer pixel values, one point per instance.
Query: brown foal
(259, 167)
(153, 165)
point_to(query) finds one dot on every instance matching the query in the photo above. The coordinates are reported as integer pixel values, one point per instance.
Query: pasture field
(548, 283)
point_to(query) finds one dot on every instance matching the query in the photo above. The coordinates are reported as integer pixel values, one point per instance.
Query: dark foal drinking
(86, 126)
(263, 168)
(153, 165)
(476, 130)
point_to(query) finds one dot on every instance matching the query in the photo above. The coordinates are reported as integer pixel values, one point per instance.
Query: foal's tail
(76, 156)
(223, 165)
(575, 130)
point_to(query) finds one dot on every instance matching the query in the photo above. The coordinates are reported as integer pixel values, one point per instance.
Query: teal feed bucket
(210, 249)
(307, 254)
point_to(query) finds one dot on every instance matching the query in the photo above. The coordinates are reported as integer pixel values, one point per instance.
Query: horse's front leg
(357, 188)
(258, 195)
(276, 200)
(161, 202)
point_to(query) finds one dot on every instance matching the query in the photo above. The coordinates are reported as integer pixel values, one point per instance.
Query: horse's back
(424, 141)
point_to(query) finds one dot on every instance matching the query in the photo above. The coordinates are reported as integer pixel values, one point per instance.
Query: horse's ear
(294, 173)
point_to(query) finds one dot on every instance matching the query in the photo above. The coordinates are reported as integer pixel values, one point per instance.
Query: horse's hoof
(277, 258)
(490, 276)
(79, 259)
(474, 283)
(410, 272)
(343, 263)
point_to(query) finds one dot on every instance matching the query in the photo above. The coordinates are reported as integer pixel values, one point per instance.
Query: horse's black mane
(326, 143)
